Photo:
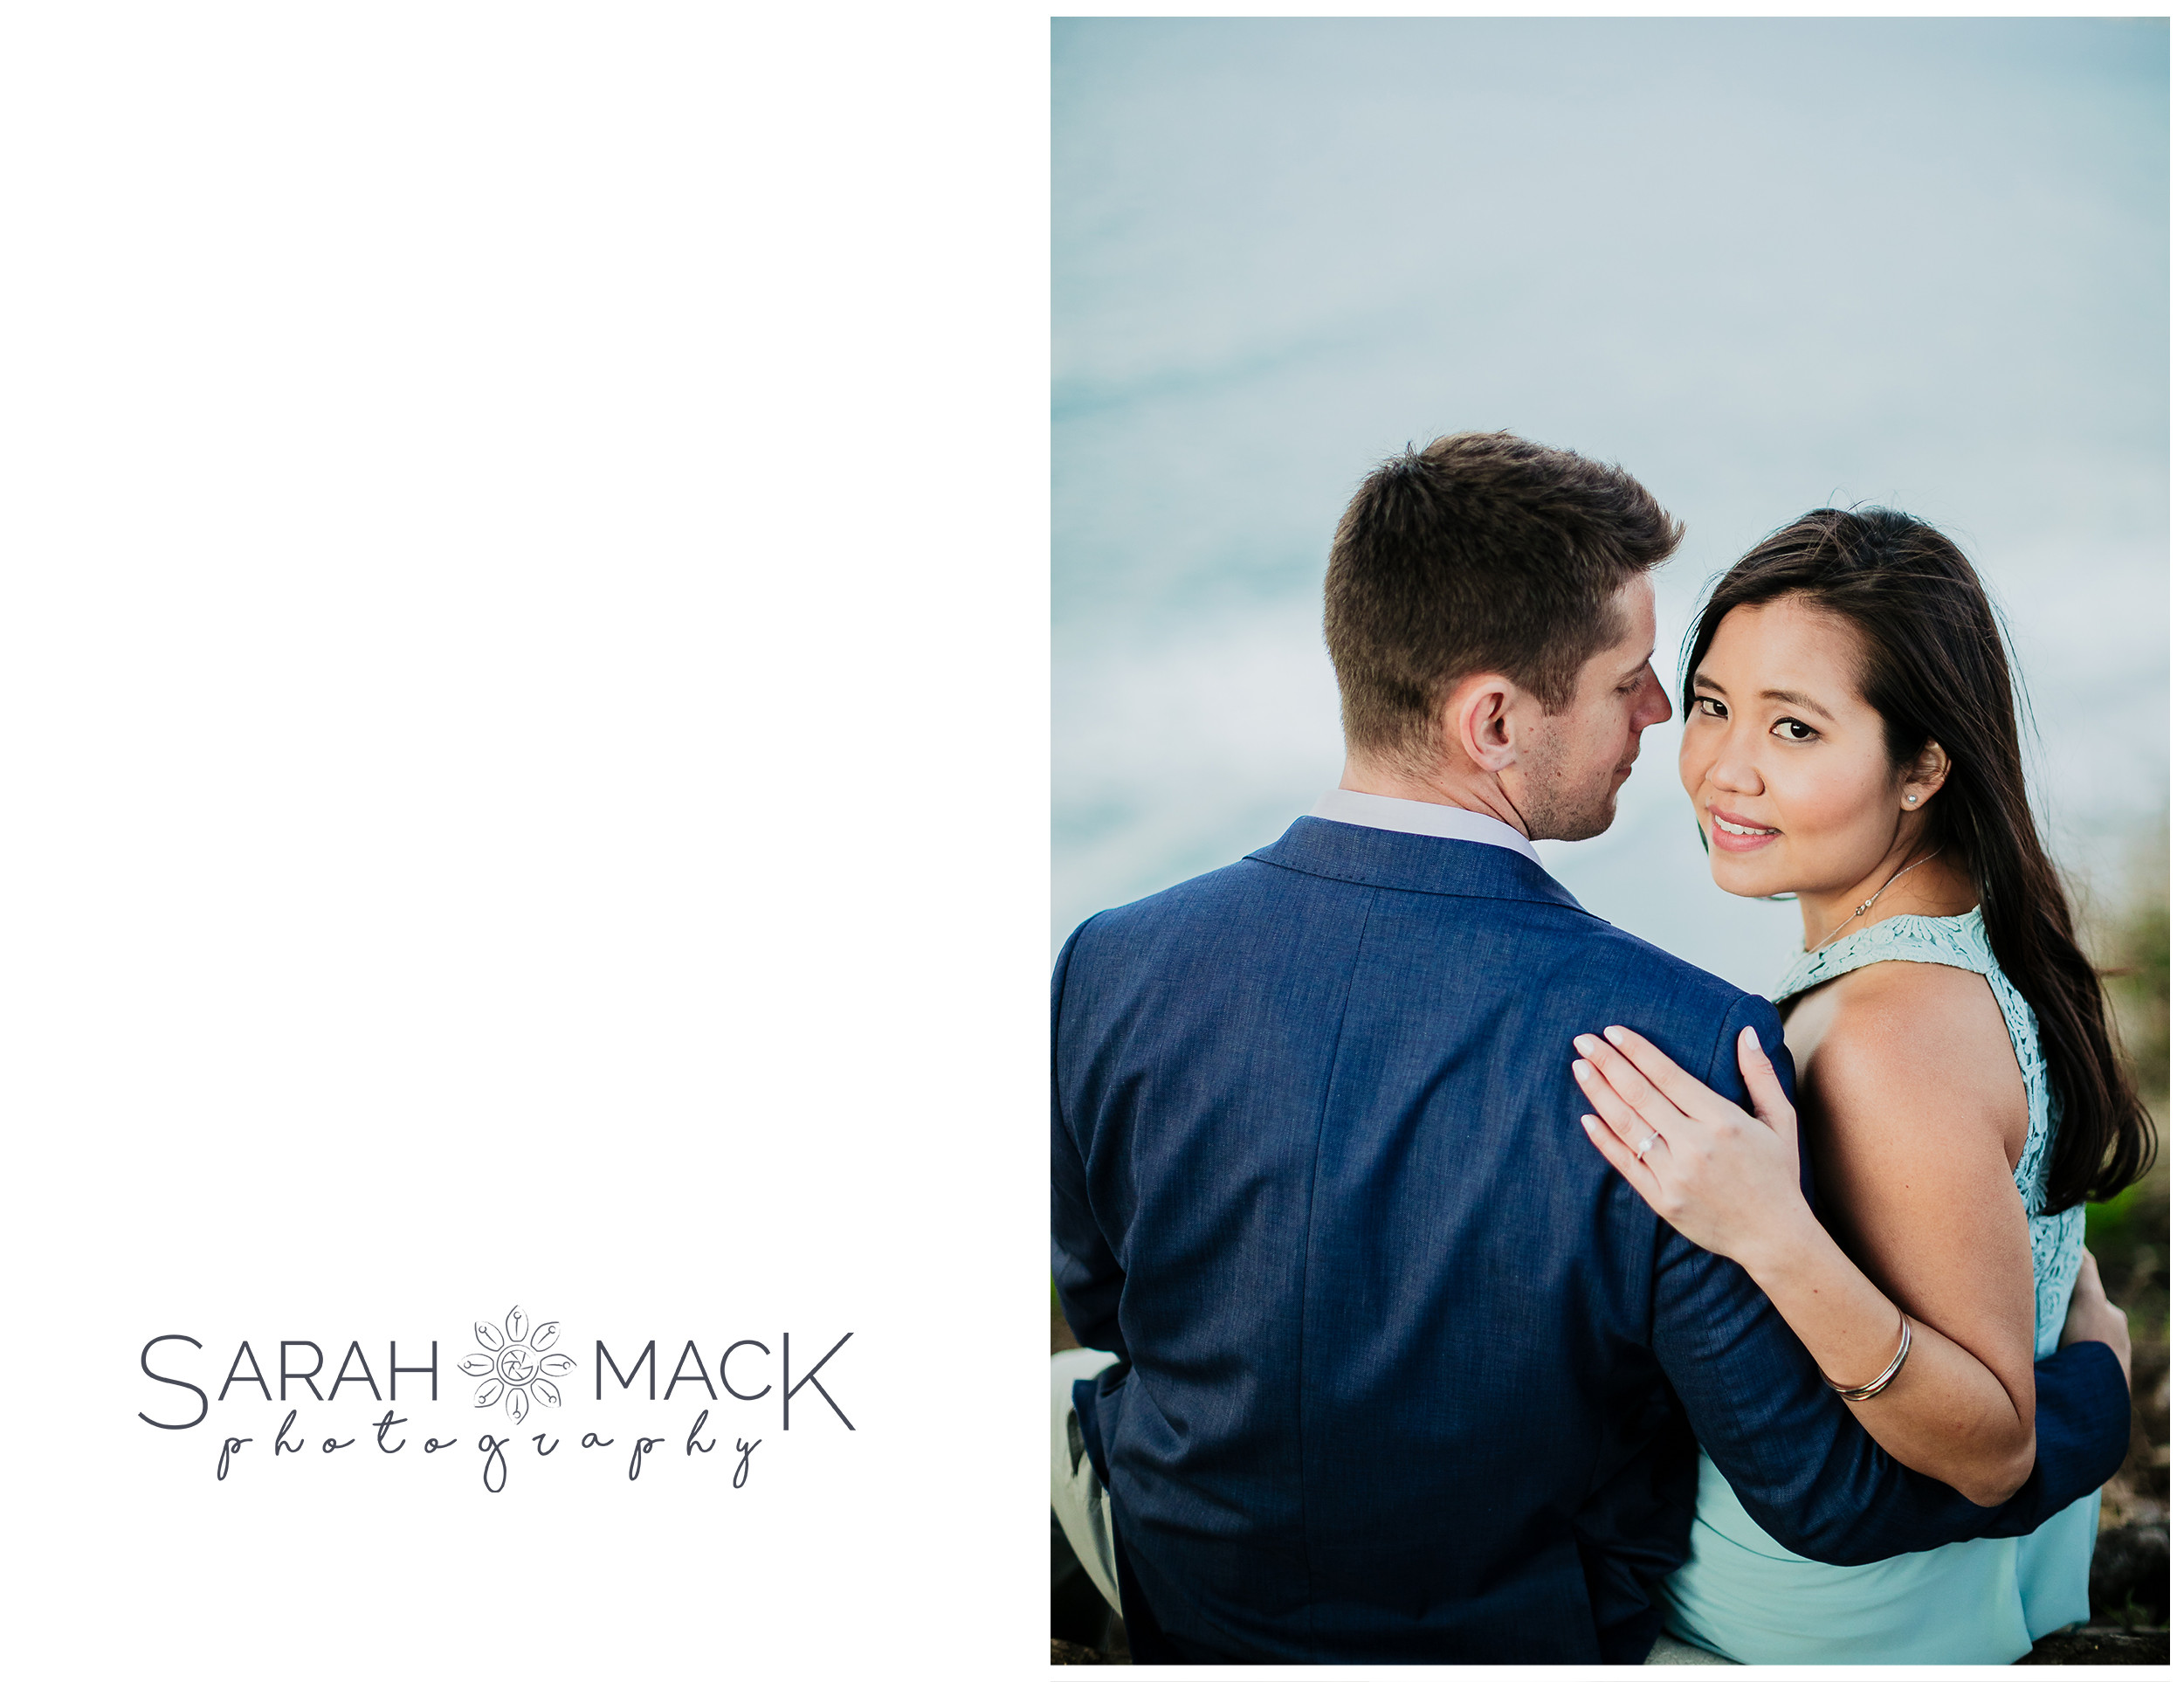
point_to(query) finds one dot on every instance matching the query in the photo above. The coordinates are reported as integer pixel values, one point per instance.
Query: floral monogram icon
(515, 1367)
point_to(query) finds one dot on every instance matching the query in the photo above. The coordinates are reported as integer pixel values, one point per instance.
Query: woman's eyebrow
(1794, 697)
(1798, 698)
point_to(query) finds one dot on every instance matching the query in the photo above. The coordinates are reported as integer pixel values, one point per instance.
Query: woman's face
(1785, 763)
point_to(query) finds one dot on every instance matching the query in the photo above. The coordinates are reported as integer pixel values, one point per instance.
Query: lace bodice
(1962, 944)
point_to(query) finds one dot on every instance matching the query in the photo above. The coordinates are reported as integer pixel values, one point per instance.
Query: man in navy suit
(1393, 1366)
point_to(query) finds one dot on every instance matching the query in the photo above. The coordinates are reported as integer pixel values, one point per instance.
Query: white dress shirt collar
(1420, 818)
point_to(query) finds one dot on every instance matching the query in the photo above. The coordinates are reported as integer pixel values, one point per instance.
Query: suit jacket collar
(1414, 864)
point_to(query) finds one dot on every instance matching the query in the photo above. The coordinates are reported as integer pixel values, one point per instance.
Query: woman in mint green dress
(1849, 738)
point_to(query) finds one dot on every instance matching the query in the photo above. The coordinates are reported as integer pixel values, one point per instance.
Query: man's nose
(1653, 707)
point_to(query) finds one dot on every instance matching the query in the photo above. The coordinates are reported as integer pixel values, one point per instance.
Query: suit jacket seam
(1663, 1232)
(1304, 1294)
(1727, 1017)
(1054, 1027)
(1380, 885)
(1054, 1076)
(1660, 1226)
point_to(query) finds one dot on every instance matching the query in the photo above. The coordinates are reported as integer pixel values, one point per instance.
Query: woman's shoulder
(1909, 1031)
(1895, 1012)
(1912, 992)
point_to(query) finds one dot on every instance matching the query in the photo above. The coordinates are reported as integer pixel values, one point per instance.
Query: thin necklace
(1877, 892)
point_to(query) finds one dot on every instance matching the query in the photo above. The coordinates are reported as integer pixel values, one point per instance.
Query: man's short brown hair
(1479, 553)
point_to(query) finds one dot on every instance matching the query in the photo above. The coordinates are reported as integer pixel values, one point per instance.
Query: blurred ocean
(1767, 265)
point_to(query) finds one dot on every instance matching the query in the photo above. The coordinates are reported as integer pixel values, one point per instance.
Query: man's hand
(2093, 1318)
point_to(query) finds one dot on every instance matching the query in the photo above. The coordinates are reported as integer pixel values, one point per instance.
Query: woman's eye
(1791, 730)
(1709, 707)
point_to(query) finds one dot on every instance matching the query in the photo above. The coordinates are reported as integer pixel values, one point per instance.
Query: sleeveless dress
(1743, 1594)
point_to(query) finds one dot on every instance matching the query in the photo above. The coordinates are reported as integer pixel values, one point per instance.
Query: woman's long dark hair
(1937, 670)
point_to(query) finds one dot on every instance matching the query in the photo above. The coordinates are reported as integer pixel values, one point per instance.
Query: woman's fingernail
(1578, 1068)
(1751, 1038)
(1614, 1036)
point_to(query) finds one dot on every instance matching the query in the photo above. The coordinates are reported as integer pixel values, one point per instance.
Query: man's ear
(1475, 722)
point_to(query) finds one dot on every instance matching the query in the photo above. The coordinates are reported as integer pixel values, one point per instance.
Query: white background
(522, 651)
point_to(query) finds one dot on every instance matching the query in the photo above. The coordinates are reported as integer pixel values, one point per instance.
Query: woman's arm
(1917, 1154)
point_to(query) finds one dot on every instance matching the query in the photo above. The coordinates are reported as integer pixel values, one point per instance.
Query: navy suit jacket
(1409, 1373)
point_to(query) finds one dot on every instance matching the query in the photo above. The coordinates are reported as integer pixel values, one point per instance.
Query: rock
(2089, 1645)
(2131, 1574)
(1075, 1653)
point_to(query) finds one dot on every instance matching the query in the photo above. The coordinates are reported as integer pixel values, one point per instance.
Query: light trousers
(1079, 1503)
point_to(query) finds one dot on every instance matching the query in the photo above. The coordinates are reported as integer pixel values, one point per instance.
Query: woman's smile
(1732, 833)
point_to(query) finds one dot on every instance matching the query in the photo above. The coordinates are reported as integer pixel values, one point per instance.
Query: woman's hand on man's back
(1725, 1178)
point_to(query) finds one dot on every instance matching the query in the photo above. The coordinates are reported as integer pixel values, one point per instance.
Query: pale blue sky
(1765, 264)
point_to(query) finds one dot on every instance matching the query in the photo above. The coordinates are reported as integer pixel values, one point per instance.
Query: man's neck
(1472, 790)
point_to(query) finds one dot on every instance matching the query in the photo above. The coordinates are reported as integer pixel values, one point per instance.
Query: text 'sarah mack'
(742, 1363)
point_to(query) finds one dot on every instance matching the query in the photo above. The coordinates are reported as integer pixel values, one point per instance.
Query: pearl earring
(1911, 800)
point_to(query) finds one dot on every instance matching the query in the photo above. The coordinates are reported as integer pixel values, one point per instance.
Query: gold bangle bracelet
(1866, 1392)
